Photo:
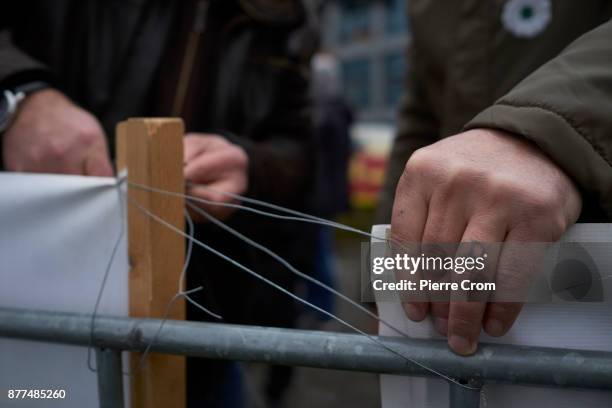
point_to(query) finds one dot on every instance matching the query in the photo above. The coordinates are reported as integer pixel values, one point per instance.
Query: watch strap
(30, 87)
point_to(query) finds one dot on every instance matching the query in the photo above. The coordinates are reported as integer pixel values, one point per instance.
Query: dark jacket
(118, 59)
(469, 70)
(109, 56)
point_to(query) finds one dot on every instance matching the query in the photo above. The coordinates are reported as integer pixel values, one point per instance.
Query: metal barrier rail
(493, 363)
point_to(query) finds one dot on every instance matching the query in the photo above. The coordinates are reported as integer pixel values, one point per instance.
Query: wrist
(47, 96)
(12, 98)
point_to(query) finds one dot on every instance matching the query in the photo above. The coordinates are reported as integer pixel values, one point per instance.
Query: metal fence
(493, 363)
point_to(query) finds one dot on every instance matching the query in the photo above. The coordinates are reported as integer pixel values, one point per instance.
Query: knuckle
(419, 162)
(462, 176)
(424, 167)
(548, 227)
(558, 225)
(88, 135)
(464, 323)
(540, 203)
(56, 150)
(539, 213)
(514, 280)
(35, 156)
(540, 217)
(533, 202)
(503, 191)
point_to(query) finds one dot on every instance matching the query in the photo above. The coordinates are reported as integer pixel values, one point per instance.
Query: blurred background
(363, 50)
(369, 39)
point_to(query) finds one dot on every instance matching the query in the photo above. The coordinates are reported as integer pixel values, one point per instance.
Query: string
(290, 267)
(180, 292)
(292, 295)
(181, 283)
(191, 230)
(240, 266)
(272, 206)
(107, 270)
(262, 248)
(145, 353)
(301, 217)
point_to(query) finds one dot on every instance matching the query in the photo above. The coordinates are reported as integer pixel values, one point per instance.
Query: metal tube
(110, 380)
(462, 397)
(492, 362)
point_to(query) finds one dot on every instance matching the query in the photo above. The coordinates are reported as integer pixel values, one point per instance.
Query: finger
(407, 225)
(57, 158)
(500, 316)
(217, 191)
(193, 145)
(214, 198)
(70, 163)
(465, 317)
(415, 302)
(90, 159)
(445, 225)
(409, 210)
(514, 278)
(208, 168)
(98, 164)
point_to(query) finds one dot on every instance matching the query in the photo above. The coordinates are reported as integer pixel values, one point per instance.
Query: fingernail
(441, 325)
(494, 327)
(461, 345)
(414, 312)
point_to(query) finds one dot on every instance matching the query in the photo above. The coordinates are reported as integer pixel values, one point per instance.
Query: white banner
(586, 326)
(57, 234)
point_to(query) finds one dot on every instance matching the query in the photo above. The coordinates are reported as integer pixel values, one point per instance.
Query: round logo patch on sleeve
(526, 18)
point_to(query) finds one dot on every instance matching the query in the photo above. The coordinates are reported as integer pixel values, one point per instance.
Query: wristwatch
(10, 98)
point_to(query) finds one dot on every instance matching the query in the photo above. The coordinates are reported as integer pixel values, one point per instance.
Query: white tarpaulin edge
(56, 237)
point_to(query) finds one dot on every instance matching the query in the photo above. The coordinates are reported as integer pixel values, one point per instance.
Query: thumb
(195, 144)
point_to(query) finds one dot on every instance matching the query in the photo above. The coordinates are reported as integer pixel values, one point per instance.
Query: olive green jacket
(468, 68)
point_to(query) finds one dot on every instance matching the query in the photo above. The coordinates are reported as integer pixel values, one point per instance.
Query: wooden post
(152, 152)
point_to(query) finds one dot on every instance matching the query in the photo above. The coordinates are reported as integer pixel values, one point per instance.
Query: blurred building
(370, 38)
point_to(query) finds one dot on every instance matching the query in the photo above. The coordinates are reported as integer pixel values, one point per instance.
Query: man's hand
(50, 134)
(486, 186)
(213, 161)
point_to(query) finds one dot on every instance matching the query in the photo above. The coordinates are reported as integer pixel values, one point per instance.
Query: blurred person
(235, 71)
(332, 119)
(505, 135)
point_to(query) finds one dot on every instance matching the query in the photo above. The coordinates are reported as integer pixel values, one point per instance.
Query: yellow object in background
(368, 164)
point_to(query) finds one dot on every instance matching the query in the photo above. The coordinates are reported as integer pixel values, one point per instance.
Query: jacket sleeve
(16, 66)
(417, 127)
(280, 145)
(565, 108)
